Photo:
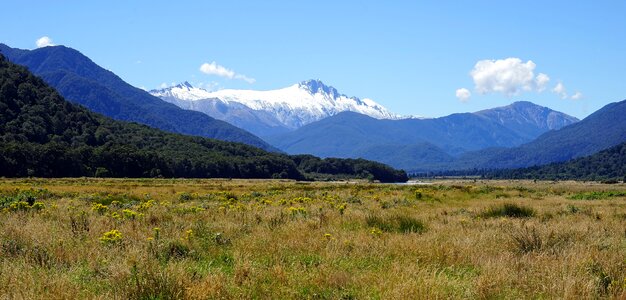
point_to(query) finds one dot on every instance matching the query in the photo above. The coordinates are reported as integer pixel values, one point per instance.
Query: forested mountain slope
(79, 80)
(43, 135)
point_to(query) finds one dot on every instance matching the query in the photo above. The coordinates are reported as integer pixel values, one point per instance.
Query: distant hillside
(343, 133)
(405, 156)
(271, 112)
(259, 122)
(602, 129)
(82, 81)
(43, 135)
(415, 143)
(527, 119)
(604, 165)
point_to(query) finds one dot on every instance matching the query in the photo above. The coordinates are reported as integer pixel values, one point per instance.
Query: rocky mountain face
(267, 113)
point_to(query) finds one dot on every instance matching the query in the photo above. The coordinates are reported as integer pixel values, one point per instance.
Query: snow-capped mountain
(274, 111)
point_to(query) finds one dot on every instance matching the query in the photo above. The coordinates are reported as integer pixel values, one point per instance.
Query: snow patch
(294, 106)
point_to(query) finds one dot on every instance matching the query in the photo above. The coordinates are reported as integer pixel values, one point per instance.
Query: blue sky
(410, 56)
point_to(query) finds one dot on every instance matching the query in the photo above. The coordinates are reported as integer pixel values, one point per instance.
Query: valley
(153, 150)
(208, 239)
(312, 118)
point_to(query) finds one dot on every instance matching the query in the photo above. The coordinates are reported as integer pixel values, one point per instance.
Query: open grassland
(208, 239)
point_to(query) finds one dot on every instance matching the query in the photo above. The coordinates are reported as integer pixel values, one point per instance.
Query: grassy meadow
(262, 239)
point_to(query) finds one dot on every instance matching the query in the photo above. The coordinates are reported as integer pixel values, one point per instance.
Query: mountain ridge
(602, 129)
(519, 115)
(82, 81)
(276, 111)
(43, 135)
(608, 164)
(349, 134)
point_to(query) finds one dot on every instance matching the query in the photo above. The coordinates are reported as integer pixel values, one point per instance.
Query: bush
(396, 223)
(102, 172)
(176, 249)
(508, 210)
(610, 181)
(528, 239)
(152, 282)
(597, 195)
(409, 225)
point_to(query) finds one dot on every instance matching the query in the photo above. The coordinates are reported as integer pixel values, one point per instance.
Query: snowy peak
(185, 84)
(293, 106)
(182, 91)
(316, 86)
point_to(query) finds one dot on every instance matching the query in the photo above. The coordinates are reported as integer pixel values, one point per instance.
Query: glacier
(283, 109)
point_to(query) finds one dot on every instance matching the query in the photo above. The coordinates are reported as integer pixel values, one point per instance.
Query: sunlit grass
(207, 239)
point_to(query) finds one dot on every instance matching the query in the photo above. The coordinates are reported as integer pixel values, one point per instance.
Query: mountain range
(42, 134)
(602, 129)
(82, 81)
(608, 164)
(414, 143)
(313, 118)
(267, 113)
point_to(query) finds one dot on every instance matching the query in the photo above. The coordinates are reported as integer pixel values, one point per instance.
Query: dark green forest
(601, 130)
(606, 165)
(43, 135)
(360, 168)
(80, 80)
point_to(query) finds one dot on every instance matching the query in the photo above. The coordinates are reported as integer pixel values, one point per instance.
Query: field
(213, 239)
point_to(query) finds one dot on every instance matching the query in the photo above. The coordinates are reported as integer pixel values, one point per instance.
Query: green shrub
(378, 222)
(527, 240)
(152, 282)
(102, 172)
(508, 210)
(597, 195)
(176, 249)
(185, 196)
(396, 223)
(410, 225)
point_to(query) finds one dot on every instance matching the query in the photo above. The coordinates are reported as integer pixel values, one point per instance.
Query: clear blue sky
(410, 56)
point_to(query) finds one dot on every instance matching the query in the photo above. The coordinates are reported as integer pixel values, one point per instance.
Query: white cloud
(245, 78)
(214, 69)
(44, 41)
(209, 86)
(541, 81)
(509, 76)
(560, 90)
(577, 96)
(463, 94)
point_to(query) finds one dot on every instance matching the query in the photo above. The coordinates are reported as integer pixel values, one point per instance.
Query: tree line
(43, 135)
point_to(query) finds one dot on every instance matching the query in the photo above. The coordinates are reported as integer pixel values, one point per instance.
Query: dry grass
(223, 239)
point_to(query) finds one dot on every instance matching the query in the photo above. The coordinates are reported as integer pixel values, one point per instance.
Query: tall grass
(258, 239)
(508, 210)
(396, 223)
